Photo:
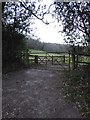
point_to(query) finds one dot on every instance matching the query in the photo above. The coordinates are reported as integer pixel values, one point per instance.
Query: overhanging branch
(35, 14)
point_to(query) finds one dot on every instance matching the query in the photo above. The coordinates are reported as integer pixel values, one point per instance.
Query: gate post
(77, 56)
(52, 59)
(77, 61)
(73, 57)
(46, 58)
(64, 59)
(69, 60)
(27, 57)
(36, 59)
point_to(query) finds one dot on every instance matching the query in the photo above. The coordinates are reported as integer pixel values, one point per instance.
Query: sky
(48, 33)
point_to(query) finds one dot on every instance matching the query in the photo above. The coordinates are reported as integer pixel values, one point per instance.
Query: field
(56, 58)
(44, 53)
(77, 81)
(45, 57)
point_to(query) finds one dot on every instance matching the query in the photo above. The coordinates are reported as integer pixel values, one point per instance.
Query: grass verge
(76, 86)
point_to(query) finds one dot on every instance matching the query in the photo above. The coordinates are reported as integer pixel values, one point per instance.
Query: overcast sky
(48, 33)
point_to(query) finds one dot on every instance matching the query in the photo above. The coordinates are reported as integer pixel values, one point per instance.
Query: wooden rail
(78, 59)
(48, 59)
(44, 59)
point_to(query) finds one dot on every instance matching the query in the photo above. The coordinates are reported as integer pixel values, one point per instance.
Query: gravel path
(35, 93)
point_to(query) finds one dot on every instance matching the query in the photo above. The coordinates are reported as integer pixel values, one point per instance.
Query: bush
(77, 87)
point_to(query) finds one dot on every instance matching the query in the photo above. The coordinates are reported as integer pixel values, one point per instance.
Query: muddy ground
(36, 93)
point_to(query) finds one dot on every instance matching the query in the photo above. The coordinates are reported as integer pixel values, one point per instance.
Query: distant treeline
(49, 47)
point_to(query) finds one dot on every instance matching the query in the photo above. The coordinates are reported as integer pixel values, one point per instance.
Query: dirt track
(35, 93)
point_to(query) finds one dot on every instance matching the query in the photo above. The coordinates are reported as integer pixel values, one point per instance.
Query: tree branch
(34, 13)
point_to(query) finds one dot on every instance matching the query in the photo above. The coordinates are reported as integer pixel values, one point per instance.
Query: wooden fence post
(73, 58)
(73, 61)
(64, 59)
(52, 59)
(77, 61)
(77, 56)
(46, 58)
(69, 60)
(36, 59)
(27, 57)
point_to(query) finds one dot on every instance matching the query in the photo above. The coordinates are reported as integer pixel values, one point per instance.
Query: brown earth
(36, 93)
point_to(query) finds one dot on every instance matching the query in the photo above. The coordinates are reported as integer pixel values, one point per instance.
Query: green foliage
(12, 41)
(75, 18)
(48, 47)
(77, 86)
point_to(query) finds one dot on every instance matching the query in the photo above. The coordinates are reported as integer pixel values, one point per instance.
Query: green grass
(38, 54)
(44, 53)
(36, 51)
(55, 54)
(32, 50)
(84, 59)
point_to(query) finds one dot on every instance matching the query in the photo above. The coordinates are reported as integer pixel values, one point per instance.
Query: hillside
(49, 47)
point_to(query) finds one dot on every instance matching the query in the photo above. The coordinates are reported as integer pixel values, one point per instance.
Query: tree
(21, 14)
(75, 17)
(16, 20)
